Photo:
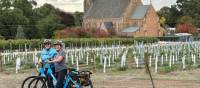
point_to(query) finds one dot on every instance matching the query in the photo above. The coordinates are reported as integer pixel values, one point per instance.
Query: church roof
(107, 9)
(139, 12)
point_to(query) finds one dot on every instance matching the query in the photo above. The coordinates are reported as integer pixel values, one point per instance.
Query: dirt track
(138, 83)
(14, 81)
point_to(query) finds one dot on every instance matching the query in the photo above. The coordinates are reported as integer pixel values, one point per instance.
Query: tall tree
(190, 8)
(186, 20)
(25, 6)
(48, 25)
(10, 19)
(20, 33)
(170, 14)
(34, 20)
(78, 18)
(49, 21)
(5, 4)
(67, 18)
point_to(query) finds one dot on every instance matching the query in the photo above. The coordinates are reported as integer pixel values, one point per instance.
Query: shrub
(122, 68)
(1, 37)
(167, 69)
(100, 33)
(186, 28)
(169, 38)
(72, 33)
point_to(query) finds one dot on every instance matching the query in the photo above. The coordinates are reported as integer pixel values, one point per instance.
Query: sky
(77, 5)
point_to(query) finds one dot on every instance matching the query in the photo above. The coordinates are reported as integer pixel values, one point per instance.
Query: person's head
(47, 43)
(58, 45)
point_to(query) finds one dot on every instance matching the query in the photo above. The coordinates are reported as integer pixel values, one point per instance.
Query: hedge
(169, 38)
(78, 42)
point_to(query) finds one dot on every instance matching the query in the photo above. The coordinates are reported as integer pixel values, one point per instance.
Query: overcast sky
(77, 5)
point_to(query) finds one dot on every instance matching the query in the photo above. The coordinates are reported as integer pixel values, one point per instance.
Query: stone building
(122, 17)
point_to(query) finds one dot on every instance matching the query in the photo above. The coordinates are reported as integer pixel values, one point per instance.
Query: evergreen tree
(20, 33)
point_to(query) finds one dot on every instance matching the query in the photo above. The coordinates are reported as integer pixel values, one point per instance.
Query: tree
(162, 21)
(170, 14)
(186, 25)
(10, 19)
(186, 20)
(67, 18)
(20, 33)
(25, 6)
(48, 20)
(190, 8)
(48, 25)
(14, 13)
(78, 18)
(5, 4)
(37, 22)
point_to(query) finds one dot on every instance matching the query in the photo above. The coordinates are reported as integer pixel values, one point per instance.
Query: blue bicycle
(73, 79)
(28, 79)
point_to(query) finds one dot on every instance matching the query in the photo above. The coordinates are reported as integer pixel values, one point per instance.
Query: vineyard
(116, 59)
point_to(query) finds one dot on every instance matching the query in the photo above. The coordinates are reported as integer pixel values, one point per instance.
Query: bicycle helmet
(58, 42)
(47, 41)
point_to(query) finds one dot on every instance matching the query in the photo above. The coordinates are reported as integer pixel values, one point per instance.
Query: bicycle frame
(49, 72)
(68, 79)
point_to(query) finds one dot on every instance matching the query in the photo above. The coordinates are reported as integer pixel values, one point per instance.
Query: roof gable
(139, 12)
(107, 9)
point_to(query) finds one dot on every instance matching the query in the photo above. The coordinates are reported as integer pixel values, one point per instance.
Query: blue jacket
(48, 55)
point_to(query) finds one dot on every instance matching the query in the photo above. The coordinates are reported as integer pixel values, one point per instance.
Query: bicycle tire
(90, 85)
(37, 79)
(25, 80)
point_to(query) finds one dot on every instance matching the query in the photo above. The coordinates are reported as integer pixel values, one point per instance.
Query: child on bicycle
(60, 65)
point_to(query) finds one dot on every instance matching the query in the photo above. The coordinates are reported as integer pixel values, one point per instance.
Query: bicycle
(74, 79)
(69, 83)
(27, 80)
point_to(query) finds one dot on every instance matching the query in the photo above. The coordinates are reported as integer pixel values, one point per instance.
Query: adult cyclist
(48, 53)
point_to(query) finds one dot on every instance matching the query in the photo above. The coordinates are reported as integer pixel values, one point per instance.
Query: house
(122, 18)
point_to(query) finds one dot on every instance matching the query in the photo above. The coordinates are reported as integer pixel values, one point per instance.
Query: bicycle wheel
(90, 85)
(27, 81)
(72, 85)
(38, 82)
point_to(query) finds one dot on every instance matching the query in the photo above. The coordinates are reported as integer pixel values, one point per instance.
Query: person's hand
(48, 61)
(39, 62)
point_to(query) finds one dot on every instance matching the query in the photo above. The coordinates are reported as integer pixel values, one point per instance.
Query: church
(122, 18)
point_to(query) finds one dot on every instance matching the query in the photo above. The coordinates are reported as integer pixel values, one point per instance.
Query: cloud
(66, 5)
(158, 4)
(77, 5)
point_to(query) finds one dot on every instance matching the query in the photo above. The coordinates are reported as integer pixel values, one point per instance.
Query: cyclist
(60, 66)
(48, 53)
